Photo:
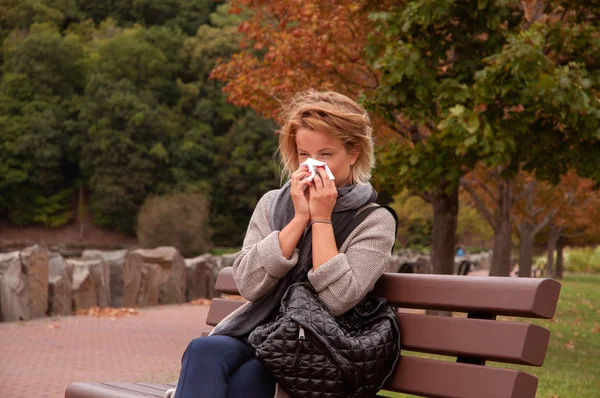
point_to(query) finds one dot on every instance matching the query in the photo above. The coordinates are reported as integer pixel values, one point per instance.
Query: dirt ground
(14, 237)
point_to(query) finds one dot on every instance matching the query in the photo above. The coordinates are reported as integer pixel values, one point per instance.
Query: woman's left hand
(322, 197)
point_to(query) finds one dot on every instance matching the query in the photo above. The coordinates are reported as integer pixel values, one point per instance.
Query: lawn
(572, 366)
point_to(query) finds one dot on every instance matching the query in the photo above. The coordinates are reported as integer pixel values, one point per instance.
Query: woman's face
(327, 149)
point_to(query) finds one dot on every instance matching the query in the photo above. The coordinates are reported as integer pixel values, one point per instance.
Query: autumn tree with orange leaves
(292, 45)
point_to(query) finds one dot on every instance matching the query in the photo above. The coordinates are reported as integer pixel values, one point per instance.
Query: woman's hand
(299, 192)
(322, 197)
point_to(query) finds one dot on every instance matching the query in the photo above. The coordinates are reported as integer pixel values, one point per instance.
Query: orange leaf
(570, 345)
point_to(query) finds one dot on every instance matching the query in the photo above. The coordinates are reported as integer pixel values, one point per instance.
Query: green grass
(572, 365)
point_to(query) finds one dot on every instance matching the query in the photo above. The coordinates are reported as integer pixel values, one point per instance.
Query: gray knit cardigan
(341, 282)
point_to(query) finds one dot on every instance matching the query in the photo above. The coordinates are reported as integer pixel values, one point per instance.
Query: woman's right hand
(299, 191)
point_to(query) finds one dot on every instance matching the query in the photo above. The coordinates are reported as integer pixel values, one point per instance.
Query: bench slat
(220, 308)
(100, 390)
(162, 387)
(525, 297)
(137, 388)
(512, 342)
(432, 378)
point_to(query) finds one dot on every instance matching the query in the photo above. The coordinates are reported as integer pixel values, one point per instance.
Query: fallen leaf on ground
(233, 297)
(570, 345)
(108, 312)
(558, 334)
(53, 326)
(201, 301)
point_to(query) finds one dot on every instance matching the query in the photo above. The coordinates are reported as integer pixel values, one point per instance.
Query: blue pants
(223, 367)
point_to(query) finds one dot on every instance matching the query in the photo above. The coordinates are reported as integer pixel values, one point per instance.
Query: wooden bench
(465, 342)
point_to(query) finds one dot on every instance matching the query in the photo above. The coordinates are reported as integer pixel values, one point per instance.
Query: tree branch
(413, 130)
(542, 223)
(426, 196)
(486, 189)
(479, 204)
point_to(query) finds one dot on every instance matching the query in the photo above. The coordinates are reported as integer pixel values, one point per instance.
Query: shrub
(179, 220)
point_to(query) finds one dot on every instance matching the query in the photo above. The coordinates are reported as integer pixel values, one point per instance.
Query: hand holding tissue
(312, 169)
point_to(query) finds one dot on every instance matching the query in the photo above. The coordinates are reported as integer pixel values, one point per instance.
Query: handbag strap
(359, 218)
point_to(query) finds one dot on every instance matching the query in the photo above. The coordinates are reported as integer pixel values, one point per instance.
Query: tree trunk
(445, 216)
(525, 249)
(553, 235)
(501, 255)
(560, 260)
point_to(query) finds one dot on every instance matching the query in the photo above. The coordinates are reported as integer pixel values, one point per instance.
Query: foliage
(478, 84)
(319, 45)
(500, 83)
(116, 97)
(179, 220)
(43, 72)
(246, 170)
(427, 55)
(187, 15)
(582, 259)
(415, 221)
(472, 227)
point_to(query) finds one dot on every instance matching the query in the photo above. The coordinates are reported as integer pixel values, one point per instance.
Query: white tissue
(312, 169)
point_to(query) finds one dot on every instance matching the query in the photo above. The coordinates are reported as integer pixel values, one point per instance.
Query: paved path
(40, 358)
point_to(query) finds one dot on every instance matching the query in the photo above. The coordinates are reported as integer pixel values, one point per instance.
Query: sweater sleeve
(344, 280)
(260, 264)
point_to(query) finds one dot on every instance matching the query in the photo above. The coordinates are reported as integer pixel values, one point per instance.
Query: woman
(291, 237)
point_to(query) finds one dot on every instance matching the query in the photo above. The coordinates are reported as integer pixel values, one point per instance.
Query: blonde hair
(333, 114)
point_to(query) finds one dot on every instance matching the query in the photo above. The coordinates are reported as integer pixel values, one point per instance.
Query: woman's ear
(354, 152)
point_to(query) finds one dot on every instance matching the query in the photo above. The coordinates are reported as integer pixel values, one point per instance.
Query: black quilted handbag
(313, 354)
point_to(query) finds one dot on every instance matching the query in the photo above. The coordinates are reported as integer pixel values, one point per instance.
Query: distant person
(460, 252)
(292, 238)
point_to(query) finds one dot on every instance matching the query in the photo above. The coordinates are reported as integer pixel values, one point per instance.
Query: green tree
(20, 14)
(42, 73)
(473, 81)
(247, 169)
(130, 134)
(187, 15)
(244, 143)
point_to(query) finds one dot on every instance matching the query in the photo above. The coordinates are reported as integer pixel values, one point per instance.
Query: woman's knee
(215, 345)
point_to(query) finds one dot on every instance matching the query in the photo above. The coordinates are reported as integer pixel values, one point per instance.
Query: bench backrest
(466, 342)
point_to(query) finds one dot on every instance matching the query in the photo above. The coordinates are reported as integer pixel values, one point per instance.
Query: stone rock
(116, 264)
(201, 277)
(394, 263)
(481, 260)
(227, 260)
(409, 262)
(60, 281)
(163, 267)
(34, 261)
(14, 298)
(133, 266)
(423, 265)
(91, 283)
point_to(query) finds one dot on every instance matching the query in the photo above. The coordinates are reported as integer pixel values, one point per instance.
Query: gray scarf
(281, 212)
